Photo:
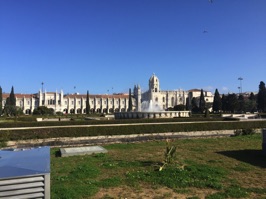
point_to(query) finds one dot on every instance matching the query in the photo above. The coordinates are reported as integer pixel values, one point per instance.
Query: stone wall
(95, 140)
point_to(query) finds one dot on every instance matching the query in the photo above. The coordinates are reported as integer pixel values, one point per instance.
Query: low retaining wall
(86, 141)
(151, 114)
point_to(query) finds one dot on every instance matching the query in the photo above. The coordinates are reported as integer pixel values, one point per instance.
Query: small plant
(244, 132)
(168, 155)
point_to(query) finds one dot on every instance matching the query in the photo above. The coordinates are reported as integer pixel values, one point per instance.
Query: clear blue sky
(101, 45)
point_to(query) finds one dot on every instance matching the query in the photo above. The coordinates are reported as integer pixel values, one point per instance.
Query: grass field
(213, 168)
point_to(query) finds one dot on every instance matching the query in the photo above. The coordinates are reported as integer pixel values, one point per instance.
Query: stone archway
(65, 111)
(28, 112)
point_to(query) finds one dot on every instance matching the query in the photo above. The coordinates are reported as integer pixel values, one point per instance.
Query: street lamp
(42, 86)
(240, 79)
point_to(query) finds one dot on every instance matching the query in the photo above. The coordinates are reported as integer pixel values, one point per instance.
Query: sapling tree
(87, 104)
(130, 101)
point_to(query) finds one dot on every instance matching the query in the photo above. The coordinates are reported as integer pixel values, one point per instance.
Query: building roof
(19, 95)
(96, 96)
(194, 90)
(76, 95)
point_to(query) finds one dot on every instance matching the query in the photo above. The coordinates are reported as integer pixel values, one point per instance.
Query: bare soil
(147, 192)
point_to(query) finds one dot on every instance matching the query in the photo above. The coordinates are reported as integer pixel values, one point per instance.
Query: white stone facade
(76, 103)
(195, 93)
(71, 103)
(160, 99)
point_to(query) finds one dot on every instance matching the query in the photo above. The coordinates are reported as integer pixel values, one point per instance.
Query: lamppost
(42, 86)
(240, 79)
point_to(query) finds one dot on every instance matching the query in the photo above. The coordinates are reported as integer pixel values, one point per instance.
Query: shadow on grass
(58, 154)
(148, 163)
(253, 157)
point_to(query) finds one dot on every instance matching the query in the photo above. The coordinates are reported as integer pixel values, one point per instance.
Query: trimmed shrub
(79, 131)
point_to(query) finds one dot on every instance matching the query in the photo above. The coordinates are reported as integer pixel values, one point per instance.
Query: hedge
(92, 122)
(43, 133)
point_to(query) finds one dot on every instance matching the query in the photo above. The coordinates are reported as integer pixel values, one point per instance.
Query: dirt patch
(146, 192)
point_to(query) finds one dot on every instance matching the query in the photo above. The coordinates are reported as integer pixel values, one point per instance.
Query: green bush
(42, 133)
(27, 121)
(244, 132)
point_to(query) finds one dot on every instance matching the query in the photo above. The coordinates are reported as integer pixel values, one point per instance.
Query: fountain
(148, 106)
(149, 110)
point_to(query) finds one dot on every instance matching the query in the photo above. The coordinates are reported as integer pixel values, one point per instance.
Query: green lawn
(231, 167)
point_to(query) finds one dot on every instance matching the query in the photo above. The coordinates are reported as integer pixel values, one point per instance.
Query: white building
(195, 93)
(76, 103)
(160, 99)
(71, 103)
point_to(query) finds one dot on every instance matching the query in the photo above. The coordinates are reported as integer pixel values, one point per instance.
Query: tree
(233, 104)
(207, 113)
(10, 106)
(43, 110)
(261, 99)
(224, 103)
(187, 103)
(87, 104)
(130, 101)
(12, 97)
(241, 102)
(194, 105)
(250, 103)
(179, 107)
(202, 102)
(217, 102)
(252, 96)
(1, 100)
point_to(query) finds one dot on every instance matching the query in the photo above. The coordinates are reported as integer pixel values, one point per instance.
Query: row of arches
(98, 110)
(83, 111)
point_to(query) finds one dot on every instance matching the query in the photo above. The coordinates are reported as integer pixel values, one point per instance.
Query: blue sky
(107, 46)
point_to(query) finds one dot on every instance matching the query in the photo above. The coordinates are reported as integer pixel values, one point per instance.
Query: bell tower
(154, 85)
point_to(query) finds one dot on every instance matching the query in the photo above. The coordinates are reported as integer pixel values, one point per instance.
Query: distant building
(160, 99)
(76, 103)
(71, 103)
(195, 93)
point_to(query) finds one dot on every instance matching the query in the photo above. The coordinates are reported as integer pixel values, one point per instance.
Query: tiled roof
(194, 90)
(19, 95)
(96, 96)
